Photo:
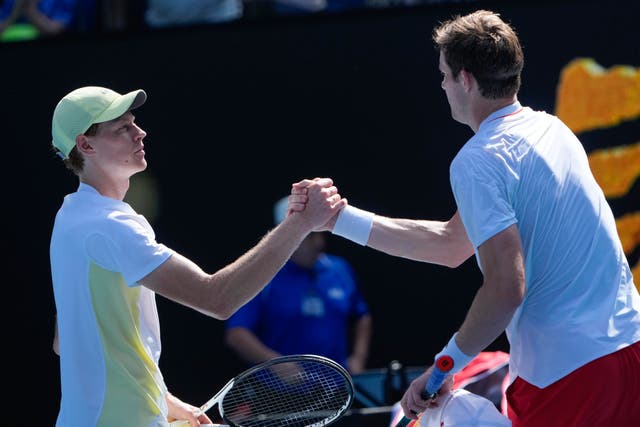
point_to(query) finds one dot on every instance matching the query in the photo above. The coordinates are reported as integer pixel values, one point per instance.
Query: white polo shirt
(527, 168)
(108, 324)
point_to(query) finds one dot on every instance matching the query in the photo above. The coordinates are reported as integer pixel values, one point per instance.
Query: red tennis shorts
(604, 392)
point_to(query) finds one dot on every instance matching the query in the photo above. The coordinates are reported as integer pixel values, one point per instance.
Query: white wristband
(354, 224)
(460, 359)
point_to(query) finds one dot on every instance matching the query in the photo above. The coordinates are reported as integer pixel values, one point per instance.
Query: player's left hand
(412, 402)
(179, 410)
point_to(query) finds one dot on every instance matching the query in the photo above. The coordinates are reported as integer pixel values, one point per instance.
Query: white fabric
(460, 359)
(354, 224)
(527, 168)
(461, 408)
(99, 249)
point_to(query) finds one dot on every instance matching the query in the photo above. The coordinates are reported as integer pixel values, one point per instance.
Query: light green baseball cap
(79, 109)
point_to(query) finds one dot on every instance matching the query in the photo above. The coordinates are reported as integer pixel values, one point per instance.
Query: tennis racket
(296, 391)
(443, 365)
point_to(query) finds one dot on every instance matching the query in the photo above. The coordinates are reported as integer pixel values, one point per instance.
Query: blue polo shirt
(306, 311)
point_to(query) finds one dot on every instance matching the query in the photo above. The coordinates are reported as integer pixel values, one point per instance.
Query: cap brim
(121, 105)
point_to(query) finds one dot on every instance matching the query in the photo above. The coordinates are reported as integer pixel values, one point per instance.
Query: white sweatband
(354, 224)
(460, 359)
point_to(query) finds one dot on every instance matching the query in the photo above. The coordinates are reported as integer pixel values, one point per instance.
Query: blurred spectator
(28, 19)
(312, 305)
(285, 7)
(167, 13)
(296, 7)
(123, 15)
(260, 9)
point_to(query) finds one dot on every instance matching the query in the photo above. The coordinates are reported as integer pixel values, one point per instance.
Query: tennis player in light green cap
(107, 266)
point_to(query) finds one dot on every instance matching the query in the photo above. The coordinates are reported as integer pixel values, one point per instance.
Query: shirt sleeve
(482, 187)
(127, 245)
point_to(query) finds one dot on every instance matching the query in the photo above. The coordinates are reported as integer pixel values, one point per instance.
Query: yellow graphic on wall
(616, 169)
(629, 229)
(591, 97)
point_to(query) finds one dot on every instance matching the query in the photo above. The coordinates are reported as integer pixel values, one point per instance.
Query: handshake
(320, 201)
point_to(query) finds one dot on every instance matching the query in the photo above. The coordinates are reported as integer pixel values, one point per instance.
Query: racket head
(288, 391)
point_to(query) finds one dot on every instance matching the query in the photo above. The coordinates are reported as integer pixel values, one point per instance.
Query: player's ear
(83, 144)
(467, 80)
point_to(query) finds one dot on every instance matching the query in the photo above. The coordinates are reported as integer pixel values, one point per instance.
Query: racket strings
(296, 394)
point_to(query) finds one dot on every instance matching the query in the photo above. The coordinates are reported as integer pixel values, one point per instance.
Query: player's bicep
(178, 279)
(458, 235)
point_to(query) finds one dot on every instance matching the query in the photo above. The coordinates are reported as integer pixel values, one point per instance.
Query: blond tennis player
(107, 266)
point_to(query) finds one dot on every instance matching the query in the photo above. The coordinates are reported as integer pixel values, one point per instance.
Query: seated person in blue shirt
(44, 17)
(309, 307)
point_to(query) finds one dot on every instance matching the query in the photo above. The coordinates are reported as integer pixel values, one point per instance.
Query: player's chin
(140, 161)
(138, 166)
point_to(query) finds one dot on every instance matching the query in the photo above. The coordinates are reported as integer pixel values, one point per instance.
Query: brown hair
(75, 162)
(485, 46)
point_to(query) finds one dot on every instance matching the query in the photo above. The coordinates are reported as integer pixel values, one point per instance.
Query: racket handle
(404, 422)
(443, 365)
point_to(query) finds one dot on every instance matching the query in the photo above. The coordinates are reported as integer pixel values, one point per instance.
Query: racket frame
(218, 398)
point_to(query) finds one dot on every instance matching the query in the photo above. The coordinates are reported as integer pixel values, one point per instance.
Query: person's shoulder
(470, 152)
(89, 213)
(337, 264)
(532, 113)
(82, 207)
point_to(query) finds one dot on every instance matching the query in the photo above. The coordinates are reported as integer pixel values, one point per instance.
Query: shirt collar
(86, 187)
(503, 112)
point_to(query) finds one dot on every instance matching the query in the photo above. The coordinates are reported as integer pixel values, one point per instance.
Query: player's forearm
(487, 318)
(496, 301)
(436, 242)
(219, 295)
(241, 280)
(502, 291)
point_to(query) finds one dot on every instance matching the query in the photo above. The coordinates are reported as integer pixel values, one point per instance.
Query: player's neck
(112, 188)
(484, 107)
